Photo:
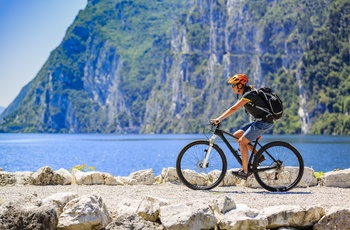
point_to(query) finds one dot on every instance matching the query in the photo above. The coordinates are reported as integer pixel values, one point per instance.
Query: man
(263, 119)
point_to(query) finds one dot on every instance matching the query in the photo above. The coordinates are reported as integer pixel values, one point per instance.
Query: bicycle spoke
(192, 171)
(282, 169)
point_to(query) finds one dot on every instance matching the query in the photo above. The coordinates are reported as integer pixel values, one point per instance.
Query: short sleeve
(250, 96)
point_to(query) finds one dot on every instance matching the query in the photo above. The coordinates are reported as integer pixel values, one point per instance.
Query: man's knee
(242, 141)
(238, 134)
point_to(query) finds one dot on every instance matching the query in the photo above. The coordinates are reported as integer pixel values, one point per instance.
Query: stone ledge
(47, 176)
(70, 211)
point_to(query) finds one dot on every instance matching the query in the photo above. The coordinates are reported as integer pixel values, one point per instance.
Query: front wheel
(192, 170)
(282, 168)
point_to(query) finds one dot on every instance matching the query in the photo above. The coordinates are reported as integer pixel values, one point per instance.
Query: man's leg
(239, 134)
(243, 145)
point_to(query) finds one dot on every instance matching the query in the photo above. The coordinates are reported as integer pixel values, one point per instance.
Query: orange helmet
(238, 78)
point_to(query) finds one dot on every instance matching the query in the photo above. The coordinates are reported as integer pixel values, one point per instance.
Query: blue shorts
(255, 129)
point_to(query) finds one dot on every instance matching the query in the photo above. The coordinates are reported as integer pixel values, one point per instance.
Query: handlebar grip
(212, 122)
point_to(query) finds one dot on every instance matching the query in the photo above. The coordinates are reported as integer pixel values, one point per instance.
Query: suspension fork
(207, 154)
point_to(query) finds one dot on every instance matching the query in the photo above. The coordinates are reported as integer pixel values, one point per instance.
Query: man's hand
(214, 121)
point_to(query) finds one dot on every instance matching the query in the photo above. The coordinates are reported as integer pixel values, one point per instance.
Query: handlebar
(217, 127)
(213, 124)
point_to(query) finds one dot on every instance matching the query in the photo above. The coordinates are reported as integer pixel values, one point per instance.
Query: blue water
(121, 155)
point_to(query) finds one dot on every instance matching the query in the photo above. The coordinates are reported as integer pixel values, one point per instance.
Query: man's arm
(240, 103)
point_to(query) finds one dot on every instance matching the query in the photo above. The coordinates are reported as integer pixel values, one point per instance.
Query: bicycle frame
(221, 133)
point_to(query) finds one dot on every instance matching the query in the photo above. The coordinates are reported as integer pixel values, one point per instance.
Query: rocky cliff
(162, 66)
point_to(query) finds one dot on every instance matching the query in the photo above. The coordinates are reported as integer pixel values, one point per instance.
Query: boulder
(338, 178)
(109, 179)
(66, 175)
(15, 178)
(195, 178)
(24, 178)
(291, 216)
(27, 214)
(229, 179)
(93, 178)
(145, 177)
(7, 178)
(121, 180)
(134, 222)
(196, 215)
(241, 218)
(85, 212)
(308, 178)
(127, 207)
(336, 218)
(59, 200)
(222, 204)
(168, 175)
(46, 176)
(149, 208)
(86, 178)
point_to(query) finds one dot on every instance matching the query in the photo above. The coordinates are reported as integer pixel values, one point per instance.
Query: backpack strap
(267, 110)
(262, 109)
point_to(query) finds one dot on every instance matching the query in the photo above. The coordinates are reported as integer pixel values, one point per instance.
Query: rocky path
(325, 197)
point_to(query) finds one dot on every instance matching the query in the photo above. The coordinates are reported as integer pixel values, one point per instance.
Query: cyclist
(263, 121)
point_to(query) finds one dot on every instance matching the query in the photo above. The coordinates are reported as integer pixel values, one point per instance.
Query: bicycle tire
(289, 163)
(190, 171)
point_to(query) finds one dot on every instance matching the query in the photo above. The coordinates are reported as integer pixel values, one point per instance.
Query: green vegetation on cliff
(161, 67)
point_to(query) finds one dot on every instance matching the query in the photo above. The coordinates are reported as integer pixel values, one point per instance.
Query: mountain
(1, 109)
(127, 66)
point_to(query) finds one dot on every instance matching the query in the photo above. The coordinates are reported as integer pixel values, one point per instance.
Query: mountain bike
(202, 165)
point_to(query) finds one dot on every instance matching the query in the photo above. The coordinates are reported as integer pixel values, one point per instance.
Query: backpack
(273, 102)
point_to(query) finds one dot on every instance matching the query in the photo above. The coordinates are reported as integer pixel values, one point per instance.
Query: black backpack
(273, 102)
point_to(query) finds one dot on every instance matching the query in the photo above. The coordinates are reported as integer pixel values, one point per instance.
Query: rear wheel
(282, 168)
(191, 170)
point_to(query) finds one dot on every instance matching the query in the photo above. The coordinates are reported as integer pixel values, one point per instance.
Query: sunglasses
(233, 85)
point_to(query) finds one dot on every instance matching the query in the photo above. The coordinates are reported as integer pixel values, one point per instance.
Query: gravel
(325, 197)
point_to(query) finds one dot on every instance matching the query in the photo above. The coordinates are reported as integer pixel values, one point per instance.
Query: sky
(29, 31)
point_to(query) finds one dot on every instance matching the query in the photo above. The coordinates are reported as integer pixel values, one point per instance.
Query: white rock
(168, 175)
(336, 217)
(241, 218)
(66, 175)
(23, 178)
(292, 216)
(87, 178)
(7, 178)
(149, 208)
(181, 216)
(86, 212)
(46, 176)
(195, 178)
(127, 207)
(308, 178)
(59, 200)
(337, 179)
(145, 177)
(121, 180)
(133, 222)
(229, 179)
(109, 179)
(222, 204)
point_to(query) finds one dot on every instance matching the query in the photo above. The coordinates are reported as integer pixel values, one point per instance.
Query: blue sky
(29, 31)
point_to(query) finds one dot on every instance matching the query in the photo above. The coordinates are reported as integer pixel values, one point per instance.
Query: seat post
(256, 143)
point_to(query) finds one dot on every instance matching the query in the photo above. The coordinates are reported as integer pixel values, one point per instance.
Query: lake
(121, 155)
